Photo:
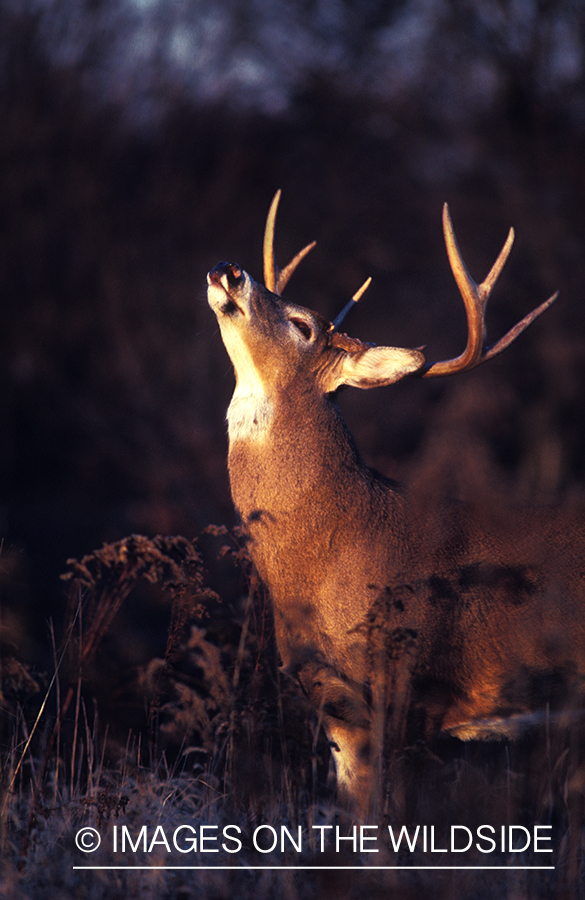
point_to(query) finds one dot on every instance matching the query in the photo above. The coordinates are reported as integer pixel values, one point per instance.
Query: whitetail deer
(454, 635)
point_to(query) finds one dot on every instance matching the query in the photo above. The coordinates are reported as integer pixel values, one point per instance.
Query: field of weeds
(217, 782)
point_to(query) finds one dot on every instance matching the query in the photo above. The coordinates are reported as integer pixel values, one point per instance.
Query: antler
(276, 279)
(351, 303)
(475, 298)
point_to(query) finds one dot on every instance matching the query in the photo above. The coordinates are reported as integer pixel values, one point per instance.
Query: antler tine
(351, 303)
(513, 333)
(475, 298)
(285, 273)
(276, 279)
(270, 267)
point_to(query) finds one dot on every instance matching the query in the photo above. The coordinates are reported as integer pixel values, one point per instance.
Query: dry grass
(226, 742)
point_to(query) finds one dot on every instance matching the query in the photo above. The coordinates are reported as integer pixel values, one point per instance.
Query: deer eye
(303, 327)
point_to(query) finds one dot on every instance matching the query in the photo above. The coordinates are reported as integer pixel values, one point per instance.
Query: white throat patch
(249, 416)
(250, 412)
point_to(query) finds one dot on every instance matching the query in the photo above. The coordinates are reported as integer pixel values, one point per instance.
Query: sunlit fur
(396, 627)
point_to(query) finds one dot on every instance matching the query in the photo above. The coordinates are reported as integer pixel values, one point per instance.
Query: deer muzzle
(225, 282)
(228, 271)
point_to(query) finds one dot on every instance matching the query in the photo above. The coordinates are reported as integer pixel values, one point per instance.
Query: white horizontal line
(309, 868)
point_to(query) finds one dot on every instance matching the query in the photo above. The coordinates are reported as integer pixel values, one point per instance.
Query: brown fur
(387, 621)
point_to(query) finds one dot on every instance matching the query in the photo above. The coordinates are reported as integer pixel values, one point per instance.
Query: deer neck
(297, 479)
(319, 528)
(281, 458)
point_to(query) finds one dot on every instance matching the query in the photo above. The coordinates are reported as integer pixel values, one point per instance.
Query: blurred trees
(454, 60)
(142, 140)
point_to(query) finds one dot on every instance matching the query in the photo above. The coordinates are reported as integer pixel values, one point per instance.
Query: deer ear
(372, 367)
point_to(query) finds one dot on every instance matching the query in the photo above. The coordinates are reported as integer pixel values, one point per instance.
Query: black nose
(232, 270)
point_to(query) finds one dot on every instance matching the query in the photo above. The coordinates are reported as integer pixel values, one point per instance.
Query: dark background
(141, 142)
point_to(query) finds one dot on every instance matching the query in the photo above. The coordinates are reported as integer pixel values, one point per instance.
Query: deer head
(267, 336)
